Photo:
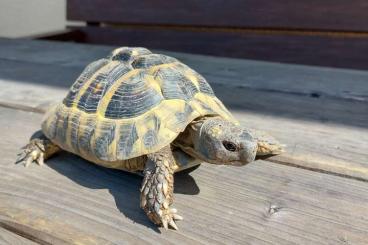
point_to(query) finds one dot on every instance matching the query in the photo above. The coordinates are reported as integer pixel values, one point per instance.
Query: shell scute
(128, 105)
(182, 115)
(125, 54)
(128, 135)
(147, 61)
(86, 75)
(115, 74)
(74, 131)
(104, 136)
(132, 98)
(85, 135)
(204, 87)
(62, 127)
(93, 90)
(174, 84)
(152, 124)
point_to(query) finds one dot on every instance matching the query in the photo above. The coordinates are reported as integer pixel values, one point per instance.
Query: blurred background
(329, 33)
(20, 18)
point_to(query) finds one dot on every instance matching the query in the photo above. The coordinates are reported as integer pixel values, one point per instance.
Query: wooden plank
(318, 146)
(71, 201)
(53, 53)
(34, 84)
(320, 50)
(10, 238)
(327, 14)
(267, 76)
(321, 114)
(323, 133)
(28, 84)
(317, 131)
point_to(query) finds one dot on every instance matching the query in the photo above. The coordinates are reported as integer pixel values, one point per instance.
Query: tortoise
(146, 113)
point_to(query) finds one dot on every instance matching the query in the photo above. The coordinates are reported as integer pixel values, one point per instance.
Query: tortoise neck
(187, 140)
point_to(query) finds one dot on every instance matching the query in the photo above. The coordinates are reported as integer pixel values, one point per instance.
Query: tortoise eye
(229, 146)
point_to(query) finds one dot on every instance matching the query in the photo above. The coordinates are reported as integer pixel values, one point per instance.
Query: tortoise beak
(247, 153)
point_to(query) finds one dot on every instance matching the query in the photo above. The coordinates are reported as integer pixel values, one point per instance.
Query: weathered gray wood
(33, 84)
(266, 76)
(38, 85)
(70, 200)
(35, 73)
(320, 133)
(10, 238)
(326, 147)
(325, 133)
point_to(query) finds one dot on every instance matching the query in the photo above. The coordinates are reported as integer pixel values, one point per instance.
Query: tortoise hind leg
(157, 188)
(36, 151)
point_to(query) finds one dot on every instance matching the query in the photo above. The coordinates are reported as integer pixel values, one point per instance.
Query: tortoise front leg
(157, 188)
(37, 150)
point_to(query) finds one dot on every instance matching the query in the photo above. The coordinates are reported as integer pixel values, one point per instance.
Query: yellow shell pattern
(130, 104)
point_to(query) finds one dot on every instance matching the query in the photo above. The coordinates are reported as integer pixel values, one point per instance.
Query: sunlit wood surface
(315, 193)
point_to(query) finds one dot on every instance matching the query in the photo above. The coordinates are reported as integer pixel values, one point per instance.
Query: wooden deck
(315, 193)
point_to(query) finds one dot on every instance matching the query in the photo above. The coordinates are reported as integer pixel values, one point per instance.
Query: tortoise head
(216, 140)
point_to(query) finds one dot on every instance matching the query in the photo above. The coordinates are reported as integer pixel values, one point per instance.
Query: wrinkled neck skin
(186, 140)
(217, 141)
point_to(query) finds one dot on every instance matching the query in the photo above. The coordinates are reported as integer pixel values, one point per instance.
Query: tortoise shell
(130, 104)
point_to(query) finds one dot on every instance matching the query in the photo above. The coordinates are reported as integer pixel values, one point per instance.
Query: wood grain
(10, 238)
(326, 15)
(72, 201)
(320, 114)
(24, 60)
(333, 138)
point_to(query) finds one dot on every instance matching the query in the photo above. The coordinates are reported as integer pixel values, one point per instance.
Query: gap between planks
(8, 237)
(29, 235)
(282, 161)
(279, 159)
(321, 108)
(272, 202)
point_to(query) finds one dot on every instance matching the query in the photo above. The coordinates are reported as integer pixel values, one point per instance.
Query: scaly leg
(37, 150)
(157, 188)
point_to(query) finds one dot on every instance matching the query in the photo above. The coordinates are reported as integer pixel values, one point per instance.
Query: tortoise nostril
(248, 152)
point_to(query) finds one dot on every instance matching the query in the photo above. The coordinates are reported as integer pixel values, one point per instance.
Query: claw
(21, 162)
(28, 161)
(33, 152)
(177, 217)
(164, 224)
(173, 210)
(21, 153)
(40, 159)
(172, 224)
(20, 157)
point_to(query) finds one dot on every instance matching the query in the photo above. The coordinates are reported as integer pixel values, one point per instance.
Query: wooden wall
(316, 32)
